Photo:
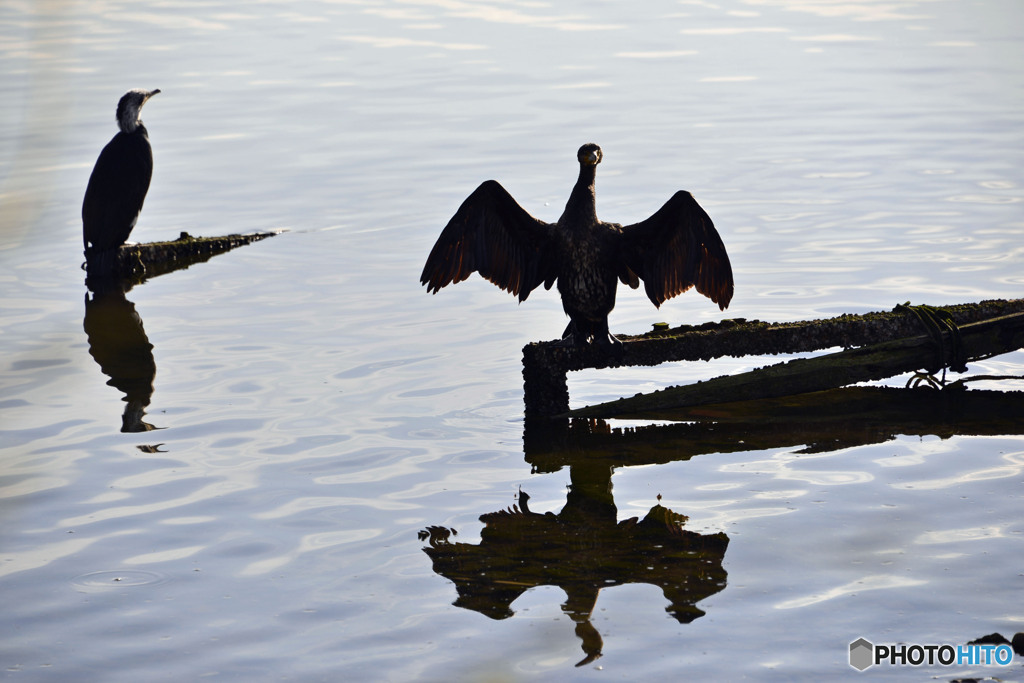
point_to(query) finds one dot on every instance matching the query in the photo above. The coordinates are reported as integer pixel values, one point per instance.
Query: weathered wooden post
(545, 364)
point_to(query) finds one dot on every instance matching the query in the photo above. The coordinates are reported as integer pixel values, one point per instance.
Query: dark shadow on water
(118, 343)
(117, 340)
(582, 549)
(815, 422)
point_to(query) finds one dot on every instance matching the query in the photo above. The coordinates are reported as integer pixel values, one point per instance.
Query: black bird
(673, 250)
(120, 179)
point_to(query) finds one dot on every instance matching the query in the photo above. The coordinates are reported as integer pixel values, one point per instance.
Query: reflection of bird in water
(583, 549)
(119, 344)
(673, 250)
(119, 181)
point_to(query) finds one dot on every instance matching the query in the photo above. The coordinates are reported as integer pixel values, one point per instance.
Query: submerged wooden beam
(141, 261)
(545, 365)
(876, 361)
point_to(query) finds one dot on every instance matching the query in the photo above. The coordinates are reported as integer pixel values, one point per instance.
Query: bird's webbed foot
(585, 333)
(604, 338)
(570, 337)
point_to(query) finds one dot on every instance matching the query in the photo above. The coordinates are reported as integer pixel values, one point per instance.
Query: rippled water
(317, 422)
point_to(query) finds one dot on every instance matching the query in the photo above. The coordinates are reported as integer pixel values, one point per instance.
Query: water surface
(311, 410)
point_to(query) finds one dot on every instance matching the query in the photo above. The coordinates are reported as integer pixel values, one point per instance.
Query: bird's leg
(571, 336)
(582, 332)
(603, 337)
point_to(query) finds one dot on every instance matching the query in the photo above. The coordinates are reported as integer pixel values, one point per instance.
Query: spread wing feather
(494, 236)
(675, 249)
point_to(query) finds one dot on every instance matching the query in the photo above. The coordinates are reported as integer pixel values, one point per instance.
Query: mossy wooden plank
(138, 262)
(545, 365)
(877, 361)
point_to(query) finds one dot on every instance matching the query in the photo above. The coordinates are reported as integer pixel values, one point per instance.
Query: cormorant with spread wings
(675, 249)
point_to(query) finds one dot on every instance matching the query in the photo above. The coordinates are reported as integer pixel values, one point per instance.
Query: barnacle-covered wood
(545, 365)
(876, 361)
(142, 261)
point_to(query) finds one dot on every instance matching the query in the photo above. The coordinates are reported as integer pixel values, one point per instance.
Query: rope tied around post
(937, 321)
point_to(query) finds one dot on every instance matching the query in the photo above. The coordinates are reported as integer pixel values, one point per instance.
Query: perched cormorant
(120, 179)
(673, 250)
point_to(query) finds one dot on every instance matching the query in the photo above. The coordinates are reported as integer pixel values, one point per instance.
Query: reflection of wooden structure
(582, 549)
(818, 421)
(545, 365)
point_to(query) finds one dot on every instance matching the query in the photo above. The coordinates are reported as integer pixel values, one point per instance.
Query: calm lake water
(318, 421)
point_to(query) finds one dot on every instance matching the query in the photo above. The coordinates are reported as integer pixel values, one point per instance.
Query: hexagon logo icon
(861, 654)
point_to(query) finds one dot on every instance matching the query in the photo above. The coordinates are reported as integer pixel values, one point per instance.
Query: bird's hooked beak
(150, 94)
(592, 158)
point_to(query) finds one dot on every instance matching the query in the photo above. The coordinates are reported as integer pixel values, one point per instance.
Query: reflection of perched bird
(120, 179)
(673, 250)
(119, 344)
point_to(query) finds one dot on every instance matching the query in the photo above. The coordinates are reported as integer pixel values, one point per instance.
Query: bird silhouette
(675, 249)
(120, 179)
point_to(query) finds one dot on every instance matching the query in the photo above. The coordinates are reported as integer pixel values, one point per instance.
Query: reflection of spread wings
(494, 236)
(675, 249)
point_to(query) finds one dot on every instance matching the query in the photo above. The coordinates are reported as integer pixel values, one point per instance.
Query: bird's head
(589, 154)
(130, 106)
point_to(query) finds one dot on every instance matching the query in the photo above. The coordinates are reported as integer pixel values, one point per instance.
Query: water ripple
(1013, 468)
(308, 543)
(866, 583)
(204, 493)
(106, 580)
